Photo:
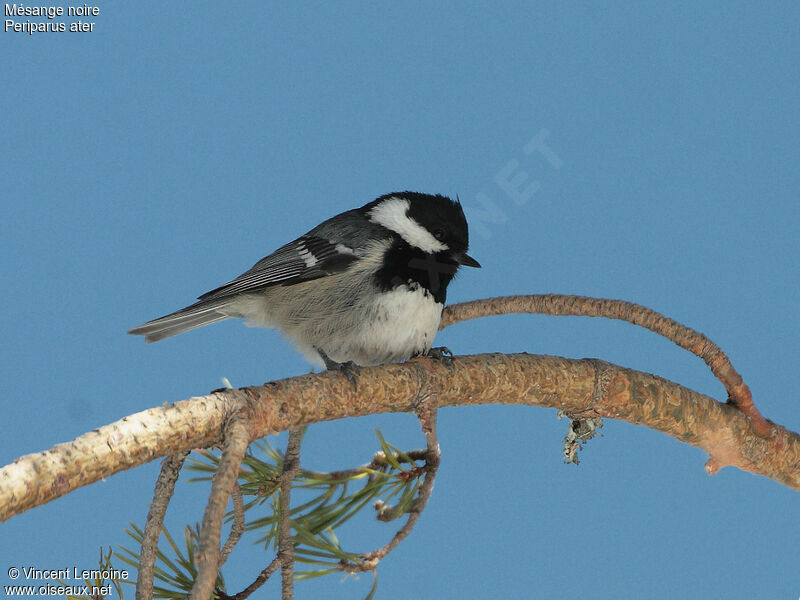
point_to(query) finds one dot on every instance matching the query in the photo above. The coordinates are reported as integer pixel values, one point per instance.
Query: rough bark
(561, 305)
(579, 387)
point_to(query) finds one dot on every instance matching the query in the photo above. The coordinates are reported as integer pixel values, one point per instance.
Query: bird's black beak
(466, 260)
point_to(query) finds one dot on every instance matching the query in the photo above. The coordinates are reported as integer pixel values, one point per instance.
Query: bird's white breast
(398, 324)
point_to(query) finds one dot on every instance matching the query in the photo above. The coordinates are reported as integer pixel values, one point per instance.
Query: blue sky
(168, 150)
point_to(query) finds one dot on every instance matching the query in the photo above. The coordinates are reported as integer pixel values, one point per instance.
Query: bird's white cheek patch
(392, 214)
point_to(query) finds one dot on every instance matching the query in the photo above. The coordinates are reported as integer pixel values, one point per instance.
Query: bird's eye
(439, 234)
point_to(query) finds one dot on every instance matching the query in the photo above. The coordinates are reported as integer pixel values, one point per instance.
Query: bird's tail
(197, 315)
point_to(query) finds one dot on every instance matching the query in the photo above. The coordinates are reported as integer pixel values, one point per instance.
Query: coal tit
(365, 287)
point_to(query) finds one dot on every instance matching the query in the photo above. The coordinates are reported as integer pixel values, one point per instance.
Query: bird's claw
(349, 369)
(442, 354)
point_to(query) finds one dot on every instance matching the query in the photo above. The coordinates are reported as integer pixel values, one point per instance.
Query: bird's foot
(442, 354)
(349, 369)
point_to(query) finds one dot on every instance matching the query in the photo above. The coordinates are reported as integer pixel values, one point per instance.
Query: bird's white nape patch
(392, 214)
(306, 255)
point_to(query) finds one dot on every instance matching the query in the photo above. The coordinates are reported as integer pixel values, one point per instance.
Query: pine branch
(734, 433)
(578, 387)
(165, 486)
(237, 438)
(562, 305)
(291, 465)
(237, 529)
(433, 457)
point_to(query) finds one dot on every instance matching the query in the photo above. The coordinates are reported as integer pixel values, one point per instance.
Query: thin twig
(237, 529)
(378, 461)
(291, 465)
(698, 344)
(427, 418)
(165, 486)
(237, 439)
(259, 581)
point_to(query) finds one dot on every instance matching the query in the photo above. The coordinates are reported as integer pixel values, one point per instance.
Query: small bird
(363, 288)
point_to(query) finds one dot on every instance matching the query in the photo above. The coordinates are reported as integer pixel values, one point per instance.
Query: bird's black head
(431, 240)
(432, 223)
(442, 217)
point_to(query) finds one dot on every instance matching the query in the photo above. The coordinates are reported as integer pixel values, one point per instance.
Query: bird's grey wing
(327, 249)
(308, 257)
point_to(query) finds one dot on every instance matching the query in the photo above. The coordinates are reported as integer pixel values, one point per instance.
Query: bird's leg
(349, 369)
